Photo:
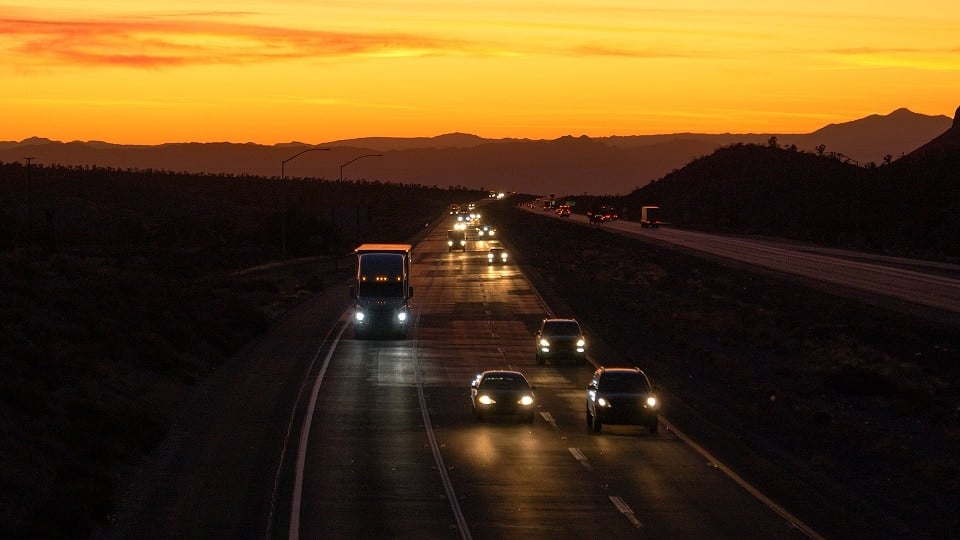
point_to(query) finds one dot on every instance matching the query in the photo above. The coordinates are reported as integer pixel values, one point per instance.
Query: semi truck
(650, 217)
(456, 239)
(382, 290)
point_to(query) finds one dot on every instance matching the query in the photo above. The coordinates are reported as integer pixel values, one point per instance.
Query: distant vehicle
(497, 255)
(560, 338)
(621, 396)
(609, 213)
(454, 208)
(563, 210)
(549, 204)
(650, 217)
(456, 240)
(382, 289)
(597, 217)
(504, 393)
(486, 231)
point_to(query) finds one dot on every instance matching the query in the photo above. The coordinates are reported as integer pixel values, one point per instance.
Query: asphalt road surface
(392, 450)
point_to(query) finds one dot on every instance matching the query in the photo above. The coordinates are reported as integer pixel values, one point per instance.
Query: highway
(930, 284)
(388, 447)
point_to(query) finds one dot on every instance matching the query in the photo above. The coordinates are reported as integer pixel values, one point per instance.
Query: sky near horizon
(276, 71)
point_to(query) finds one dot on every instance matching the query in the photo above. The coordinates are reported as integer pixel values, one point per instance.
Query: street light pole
(29, 202)
(283, 211)
(341, 180)
(355, 159)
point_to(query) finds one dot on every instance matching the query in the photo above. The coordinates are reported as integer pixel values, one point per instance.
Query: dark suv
(560, 338)
(621, 396)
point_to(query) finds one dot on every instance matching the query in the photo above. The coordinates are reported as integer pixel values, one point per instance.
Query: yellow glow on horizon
(268, 72)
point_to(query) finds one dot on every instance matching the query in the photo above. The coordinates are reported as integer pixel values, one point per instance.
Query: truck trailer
(382, 290)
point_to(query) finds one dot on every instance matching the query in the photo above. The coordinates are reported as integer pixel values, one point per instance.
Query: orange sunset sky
(149, 72)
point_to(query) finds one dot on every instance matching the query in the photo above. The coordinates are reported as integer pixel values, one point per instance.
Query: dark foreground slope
(856, 401)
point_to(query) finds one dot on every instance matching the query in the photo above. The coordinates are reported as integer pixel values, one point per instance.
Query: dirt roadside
(210, 477)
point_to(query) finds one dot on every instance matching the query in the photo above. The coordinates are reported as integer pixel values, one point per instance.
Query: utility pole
(29, 203)
(283, 210)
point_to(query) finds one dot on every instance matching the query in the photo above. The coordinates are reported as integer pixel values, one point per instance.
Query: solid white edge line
(625, 509)
(783, 512)
(294, 531)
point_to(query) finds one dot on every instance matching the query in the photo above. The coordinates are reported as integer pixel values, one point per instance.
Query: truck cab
(456, 240)
(650, 217)
(382, 290)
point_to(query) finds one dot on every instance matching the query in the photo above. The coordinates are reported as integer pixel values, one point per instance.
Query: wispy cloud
(931, 58)
(195, 40)
(209, 38)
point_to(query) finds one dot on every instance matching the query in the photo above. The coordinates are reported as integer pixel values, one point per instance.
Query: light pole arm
(284, 162)
(354, 159)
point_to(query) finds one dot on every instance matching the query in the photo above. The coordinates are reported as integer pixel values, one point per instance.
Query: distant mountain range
(571, 165)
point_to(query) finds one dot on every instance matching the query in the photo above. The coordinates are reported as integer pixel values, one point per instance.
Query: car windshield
(562, 328)
(502, 382)
(622, 382)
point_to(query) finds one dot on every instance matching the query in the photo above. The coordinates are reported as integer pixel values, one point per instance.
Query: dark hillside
(751, 189)
(120, 293)
(909, 206)
(922, 191)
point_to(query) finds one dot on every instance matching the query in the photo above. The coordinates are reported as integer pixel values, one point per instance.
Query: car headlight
(544, 343)
(449, 242)
(486, 400)
(651, 401)
(490, 257)
(581, 343)
(526, 400)
(359, 316)
(603, 402)
(402, 316)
